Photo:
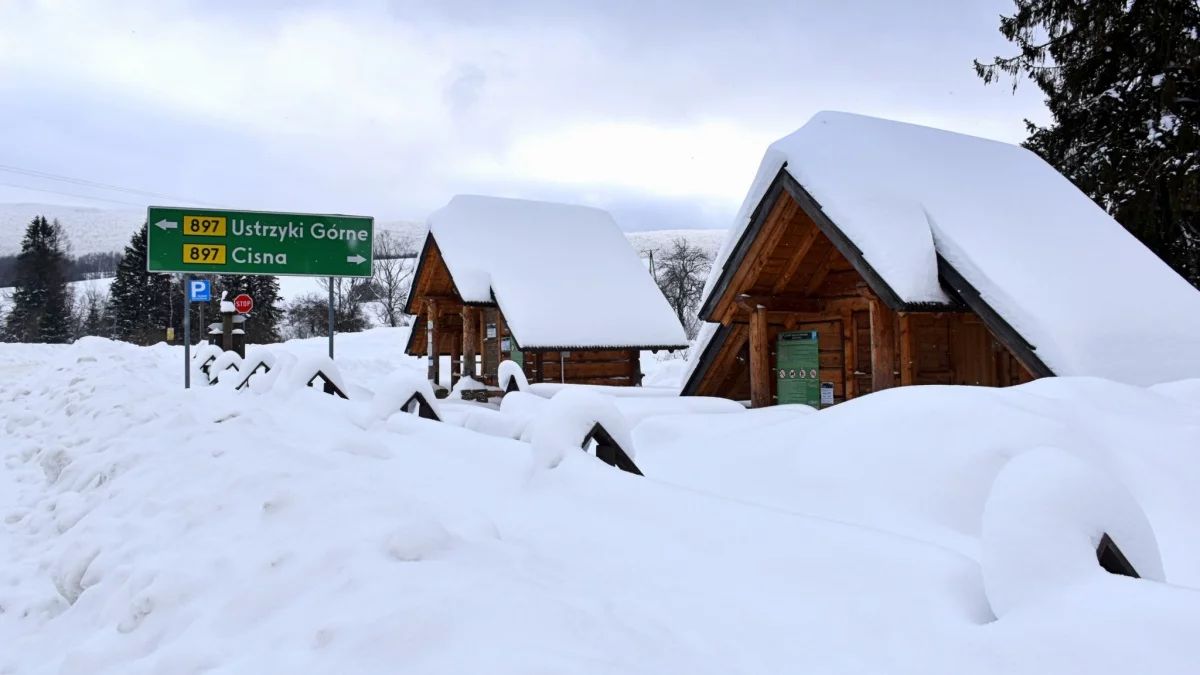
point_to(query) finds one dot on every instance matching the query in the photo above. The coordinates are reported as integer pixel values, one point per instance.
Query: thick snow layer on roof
(1088, 296)
(564, 275)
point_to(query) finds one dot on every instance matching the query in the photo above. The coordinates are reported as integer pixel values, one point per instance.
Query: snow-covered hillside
(94, 230)
(147, 529)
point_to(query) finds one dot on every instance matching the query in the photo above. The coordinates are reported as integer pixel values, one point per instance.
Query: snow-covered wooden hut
(871, 253)
(556, 287)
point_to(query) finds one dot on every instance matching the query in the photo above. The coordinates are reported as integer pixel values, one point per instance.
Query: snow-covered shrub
(509, 373)
(1044, 518)
(265, 382)
(523, 408)
(487, 421)
(566, 420)
(223, 363)
(257, 363)
(202, 358)
(308, 371)
(398, 392)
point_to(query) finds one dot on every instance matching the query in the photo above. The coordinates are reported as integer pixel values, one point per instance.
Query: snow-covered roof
(1086, 294)
(563, 275)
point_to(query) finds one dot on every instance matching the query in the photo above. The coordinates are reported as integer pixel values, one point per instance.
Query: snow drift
(148, 529)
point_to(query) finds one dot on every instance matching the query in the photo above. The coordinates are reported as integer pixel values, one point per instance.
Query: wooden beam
(770, 303)
(455, 358)
(760, 366)
(722, 362)
(500, 355)
(818, 276)
(849, 356)
(883, 346)
(538, 361)
(470, 338)
(759, 253)
(908, 352)
(798, 257)
(431, 338)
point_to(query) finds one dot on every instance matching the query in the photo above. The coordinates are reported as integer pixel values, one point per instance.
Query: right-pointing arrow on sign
(167, 224)
(356, 259)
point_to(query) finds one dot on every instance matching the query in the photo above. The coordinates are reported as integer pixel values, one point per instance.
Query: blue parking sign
(199, 290)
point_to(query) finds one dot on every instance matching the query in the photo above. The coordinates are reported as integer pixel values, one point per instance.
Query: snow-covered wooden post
(883, 345)
(470, 339)
(456, 359)
(432, 339)
(760, 366)
(227, 312)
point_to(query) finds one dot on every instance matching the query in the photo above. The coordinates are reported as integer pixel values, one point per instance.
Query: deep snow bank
(145, 529)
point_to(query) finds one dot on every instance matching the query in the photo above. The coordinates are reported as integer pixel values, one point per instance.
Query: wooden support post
(849, 356)
(456, 361)
(227, 331)
(540, 375)
(470, 338)
(431, 344)
(883, 346)
(760, 366)
(908, 352)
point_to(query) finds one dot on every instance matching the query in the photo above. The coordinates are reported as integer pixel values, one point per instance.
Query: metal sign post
(187, 340)
(196, 290)
(330, 317)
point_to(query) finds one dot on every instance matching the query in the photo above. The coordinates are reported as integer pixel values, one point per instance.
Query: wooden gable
(792, 275)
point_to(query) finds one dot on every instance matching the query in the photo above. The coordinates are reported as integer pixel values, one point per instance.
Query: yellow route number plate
(204, 254)
(204, 226)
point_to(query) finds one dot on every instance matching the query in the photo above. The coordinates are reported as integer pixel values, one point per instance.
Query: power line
(69, 194)
(105, 186)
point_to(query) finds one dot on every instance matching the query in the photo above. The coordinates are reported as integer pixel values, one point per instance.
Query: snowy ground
(148, 529)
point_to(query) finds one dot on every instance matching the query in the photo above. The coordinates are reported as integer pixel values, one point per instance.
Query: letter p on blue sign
(199, 290)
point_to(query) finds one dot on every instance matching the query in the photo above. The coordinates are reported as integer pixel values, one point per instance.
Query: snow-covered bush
(224, 362)
(1043, 520)
(258, 362)
(523, 408)
(510, 372)
(306, 371)
(568, 418)
(398, 391)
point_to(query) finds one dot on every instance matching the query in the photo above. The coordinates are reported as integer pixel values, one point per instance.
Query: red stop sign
(243, 303)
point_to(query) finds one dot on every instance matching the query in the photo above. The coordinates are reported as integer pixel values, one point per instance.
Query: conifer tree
(142, 304)
(41, 301)
(1122, 82)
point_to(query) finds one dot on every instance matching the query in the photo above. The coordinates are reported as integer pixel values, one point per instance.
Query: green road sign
(798, 368)
(252, 242)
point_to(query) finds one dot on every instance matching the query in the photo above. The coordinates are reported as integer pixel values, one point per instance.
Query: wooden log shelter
(554, 287)
(798, 314)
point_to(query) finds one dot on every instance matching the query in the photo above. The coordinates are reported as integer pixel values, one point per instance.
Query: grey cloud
(466, 86)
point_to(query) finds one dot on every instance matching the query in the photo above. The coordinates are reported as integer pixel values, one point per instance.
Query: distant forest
(87, 266)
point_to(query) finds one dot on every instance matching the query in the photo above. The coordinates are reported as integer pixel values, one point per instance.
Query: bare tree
(91, 311)
(395, 258)
(349, 295)
(680, 272)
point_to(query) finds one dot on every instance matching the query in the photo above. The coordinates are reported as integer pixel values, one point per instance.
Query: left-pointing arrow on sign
(356, 259)
(167, 224)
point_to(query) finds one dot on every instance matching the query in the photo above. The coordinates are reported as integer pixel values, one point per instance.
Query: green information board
(515, 355)
(250, 242)
(798, 368)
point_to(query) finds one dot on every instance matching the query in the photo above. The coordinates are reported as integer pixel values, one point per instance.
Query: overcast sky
(656, 110)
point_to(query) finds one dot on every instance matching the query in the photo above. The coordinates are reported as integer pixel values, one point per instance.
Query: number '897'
(204, 226)
(204, 254)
